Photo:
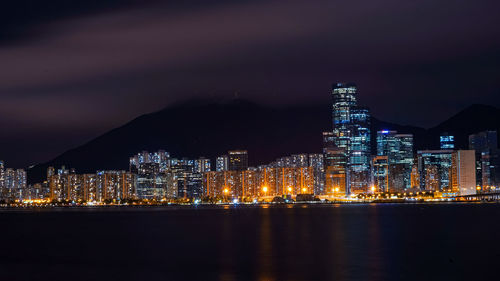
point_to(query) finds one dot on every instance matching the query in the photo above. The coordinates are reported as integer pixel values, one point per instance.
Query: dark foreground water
(298, 242)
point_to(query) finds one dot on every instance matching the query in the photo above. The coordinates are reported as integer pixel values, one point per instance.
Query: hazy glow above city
(70, 72)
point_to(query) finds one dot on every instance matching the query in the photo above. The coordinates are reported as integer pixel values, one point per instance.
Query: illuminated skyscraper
(483, 141)
(328, 140)
(2, 181)
(335, 161)
(188, 179)
(67, 185)
(153, 174)
(360, 151)
(415, 178)
(316, 162)
(434, 167)
(150, 183)
(222, 163)
(202, 165)
(490, 169)
(351, 132)
(380, 173)
(399, 150)
(387, 143)
(487, 159)
(115, 185)
(463, 175)
(58, 183)
(13, 183)
(447, 141)
(300, 171)
(160, 176)
(238, 160)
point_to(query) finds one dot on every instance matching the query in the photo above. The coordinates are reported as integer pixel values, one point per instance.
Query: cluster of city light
(346, 170)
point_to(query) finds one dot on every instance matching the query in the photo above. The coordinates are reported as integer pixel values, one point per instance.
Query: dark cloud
(73, 69)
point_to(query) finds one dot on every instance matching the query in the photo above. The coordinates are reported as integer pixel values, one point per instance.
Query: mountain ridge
(210, 127)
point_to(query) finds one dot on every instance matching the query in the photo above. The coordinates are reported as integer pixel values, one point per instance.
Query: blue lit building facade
(487, 153)
(434, 167)
(399, 150)
(161, 177)
(447, 141)
(380, 166)
(360, 150)
(387, 143)
(351, 132)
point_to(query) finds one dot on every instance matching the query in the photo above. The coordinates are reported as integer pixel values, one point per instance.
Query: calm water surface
(296, 242)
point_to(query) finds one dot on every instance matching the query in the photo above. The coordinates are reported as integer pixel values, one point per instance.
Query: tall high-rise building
(463, 174)
(485, 145)
(159, 176)
(50, 172)
(188, 179)
(399, 150)
(351, 132)
(490, 170)
(150, 182)
(299, 171)
(380, 166)
(483, 141)
(360, 153)
(222, 163)
(155, 175)
(66, 185)
(238, 160)
(116, 185)
(328, 140)
(387, 143)
(316, 162)
(2, 181)
(21, 183)
(434, 167)
(202, 165)
(398, 147)
(415, 178)
(335, 161)
(58, 183)
(14, 184)
(447, 141)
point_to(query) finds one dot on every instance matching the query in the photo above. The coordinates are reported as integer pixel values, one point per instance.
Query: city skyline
(249, 140)
(27, 156)
(347, 167)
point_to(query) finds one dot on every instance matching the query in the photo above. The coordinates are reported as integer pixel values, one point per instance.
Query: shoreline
(243, 205)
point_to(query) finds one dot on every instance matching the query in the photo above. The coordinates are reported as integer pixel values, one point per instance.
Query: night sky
(71, 70)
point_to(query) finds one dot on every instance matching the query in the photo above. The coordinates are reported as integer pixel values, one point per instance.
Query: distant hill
(473, 119)
(211, 127)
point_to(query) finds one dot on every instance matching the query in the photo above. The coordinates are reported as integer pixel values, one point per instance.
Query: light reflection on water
(266, 242)
(338, 242)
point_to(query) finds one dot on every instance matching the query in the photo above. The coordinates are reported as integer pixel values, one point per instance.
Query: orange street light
(226, 191)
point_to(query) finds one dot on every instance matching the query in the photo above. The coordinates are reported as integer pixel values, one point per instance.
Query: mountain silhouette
(210, 128)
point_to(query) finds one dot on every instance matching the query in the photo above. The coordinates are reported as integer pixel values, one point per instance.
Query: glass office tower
(434, 168)
(399, 150)
(351, 132)
(487, 153)
(447, 141)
